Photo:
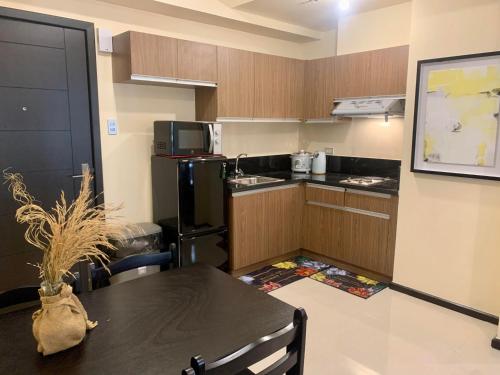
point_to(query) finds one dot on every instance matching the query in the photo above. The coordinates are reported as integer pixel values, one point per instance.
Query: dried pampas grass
(68, 233)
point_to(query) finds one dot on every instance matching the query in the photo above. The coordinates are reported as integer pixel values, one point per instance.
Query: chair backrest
(101, 277)
(18, 297)
(292, 337)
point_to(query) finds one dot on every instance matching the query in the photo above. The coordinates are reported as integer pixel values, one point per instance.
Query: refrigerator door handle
(212, 140)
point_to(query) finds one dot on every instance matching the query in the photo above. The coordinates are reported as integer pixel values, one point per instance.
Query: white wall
(369, 138)
(448, 238)
(381, 28)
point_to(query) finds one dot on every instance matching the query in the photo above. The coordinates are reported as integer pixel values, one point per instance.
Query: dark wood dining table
(151, 325)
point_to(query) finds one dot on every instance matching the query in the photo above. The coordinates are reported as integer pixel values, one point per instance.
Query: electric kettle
(319, 162)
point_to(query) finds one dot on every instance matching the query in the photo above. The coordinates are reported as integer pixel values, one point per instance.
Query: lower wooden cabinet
(353, 227)
(365, 242)
(356, 227)
(322, 230)
(264, 224)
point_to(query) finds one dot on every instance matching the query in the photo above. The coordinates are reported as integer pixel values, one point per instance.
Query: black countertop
(390, 186)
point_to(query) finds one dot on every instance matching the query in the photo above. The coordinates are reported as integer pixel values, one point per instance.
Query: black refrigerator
(189, 205)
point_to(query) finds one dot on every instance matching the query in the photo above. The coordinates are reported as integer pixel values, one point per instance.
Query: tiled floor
(389, 334)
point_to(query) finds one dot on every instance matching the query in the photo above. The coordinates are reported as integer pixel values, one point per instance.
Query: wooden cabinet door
(284, 220)
(270, 86)
(197, 61)
(265, 225)
(365, 242)
(248, 230)
(319, 89)
(235, 91)
(352, 72)
(322, 230)
(294, 99)
(389, 69)
(152, 55)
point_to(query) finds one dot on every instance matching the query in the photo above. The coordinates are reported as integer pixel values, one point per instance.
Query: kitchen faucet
(237, 171)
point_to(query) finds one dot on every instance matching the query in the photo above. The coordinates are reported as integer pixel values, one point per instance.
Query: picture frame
(456, 125)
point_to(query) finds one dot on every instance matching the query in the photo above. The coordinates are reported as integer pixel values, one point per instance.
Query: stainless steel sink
(254, 180)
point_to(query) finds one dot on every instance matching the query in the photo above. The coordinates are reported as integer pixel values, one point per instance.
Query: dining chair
(293, 337)
(101, 277)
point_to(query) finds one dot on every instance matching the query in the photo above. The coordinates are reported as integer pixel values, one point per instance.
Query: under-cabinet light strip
(256, 119)
(176, 81)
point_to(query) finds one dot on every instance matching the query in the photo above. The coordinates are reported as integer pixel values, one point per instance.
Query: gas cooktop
(365, 181)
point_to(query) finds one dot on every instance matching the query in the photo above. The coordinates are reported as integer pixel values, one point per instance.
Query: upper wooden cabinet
(294, 90)
(351, 75)
(146, 55)
(389, 69)
(319, 88)
(196, 61)
(279, 87)
(270, 86)
(371, 73)
(257, 85)
(143, 54)
(236, 86)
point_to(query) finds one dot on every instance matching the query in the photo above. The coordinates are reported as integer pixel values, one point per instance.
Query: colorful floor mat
(272, 277)
(283, 273)
(349, 282)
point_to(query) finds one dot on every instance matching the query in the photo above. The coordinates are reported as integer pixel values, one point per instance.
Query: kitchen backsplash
(334, 164)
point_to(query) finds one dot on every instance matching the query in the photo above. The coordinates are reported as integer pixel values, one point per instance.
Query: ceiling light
(344, 4)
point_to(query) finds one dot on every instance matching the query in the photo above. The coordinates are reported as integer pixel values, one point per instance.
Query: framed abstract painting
(456, 126)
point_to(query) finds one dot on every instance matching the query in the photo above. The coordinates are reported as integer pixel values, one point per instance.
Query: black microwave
(183, 138)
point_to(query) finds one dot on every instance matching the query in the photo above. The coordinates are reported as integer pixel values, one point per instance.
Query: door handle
(85, 168)
(211, 130)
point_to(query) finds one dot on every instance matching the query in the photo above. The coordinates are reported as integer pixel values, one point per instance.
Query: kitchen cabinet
(371, 73)
(143, 54)
(330, 195)
(364, 241)
(235, 90)
(352, 226)
(270, 86)
(279, 87)
(264, 224)
(389, 68)
(234, 96)
(352, 72)
(319, 89)
(140, 57)
(322, 232)
(294, 90)
(196, 61)
(256, 85)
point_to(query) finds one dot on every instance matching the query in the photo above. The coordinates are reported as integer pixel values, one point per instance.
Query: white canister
(319, 163)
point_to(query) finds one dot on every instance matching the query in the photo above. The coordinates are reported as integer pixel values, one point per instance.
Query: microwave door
(201, 196)
(192, 138)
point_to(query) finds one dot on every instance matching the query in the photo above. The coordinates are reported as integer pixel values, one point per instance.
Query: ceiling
(319, 15)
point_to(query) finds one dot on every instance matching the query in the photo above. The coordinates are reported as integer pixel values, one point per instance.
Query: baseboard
(495, 343)
(486, 317)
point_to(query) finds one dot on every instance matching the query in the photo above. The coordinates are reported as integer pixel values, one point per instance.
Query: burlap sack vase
(61, 323)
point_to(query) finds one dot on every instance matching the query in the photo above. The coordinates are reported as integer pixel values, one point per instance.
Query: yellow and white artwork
(462, 115)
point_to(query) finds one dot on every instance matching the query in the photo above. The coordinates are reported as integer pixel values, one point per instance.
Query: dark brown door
(45, 128)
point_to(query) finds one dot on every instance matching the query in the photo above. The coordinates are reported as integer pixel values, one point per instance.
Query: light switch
(112, 126)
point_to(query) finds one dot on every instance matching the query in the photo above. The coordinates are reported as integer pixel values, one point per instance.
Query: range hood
(377, 106)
